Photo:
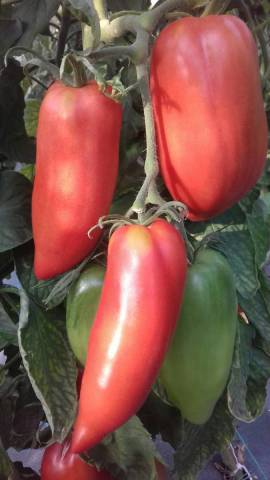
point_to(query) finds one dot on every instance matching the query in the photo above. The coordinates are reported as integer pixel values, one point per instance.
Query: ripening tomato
(77, 164)
(59, 463)
(209, 113)
(198, 363)
(136, 317)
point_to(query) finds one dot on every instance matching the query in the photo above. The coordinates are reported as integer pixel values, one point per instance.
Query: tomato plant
(115, 92)
(209, 112)
(59, 463)
(129, 301)
(76, 174)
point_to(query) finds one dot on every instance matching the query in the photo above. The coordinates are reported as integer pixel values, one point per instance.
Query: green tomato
(198, 362)
(82, 303)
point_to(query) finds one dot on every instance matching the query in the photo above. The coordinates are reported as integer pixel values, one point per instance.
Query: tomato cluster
(147, 313)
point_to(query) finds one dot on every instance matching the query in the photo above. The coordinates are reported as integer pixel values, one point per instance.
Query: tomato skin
(76, 170)
(198, 362)
(209, 113)
(82, 302)
(136, 317)
(59, 463)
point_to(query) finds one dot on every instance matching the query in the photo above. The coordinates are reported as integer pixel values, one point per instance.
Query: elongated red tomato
(136, 316)
(77, 164)
(59, 463)
(209, 114)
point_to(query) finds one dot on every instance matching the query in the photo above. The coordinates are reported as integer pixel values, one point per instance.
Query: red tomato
(162, 473)
(209, 113)
(59, 463)
(77, 164)
(137, 313)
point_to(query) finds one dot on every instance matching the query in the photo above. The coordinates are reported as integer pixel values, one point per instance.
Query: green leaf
(199, 443)
(237, 386)
(259, 226)
(236, 244)
(29, 172)
(15, 210)
(46, 293)
(128, 451)
(31, 112)
(49, 363)
(8, 331)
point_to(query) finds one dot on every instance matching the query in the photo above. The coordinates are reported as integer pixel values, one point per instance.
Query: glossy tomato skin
(59, 464)
(76, 170)
(198, 362)
(209, 113)
(82, 302)
(136, 317)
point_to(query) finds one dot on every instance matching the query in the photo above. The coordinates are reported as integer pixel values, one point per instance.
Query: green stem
(101, 8)
(215, 7)
(150, 19)
(148, 192)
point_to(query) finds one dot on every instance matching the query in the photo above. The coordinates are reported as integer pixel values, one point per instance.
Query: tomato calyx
(173, 211)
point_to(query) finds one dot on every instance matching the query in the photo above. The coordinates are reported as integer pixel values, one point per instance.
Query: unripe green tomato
(198, 362)
(82, 303)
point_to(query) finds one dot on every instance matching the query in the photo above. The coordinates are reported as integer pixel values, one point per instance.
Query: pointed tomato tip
(84, 439)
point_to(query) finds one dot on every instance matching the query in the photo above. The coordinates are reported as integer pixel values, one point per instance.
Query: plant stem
(101, 8)
(65, 24)
(213, 7)
(150, 19)
(148, 192)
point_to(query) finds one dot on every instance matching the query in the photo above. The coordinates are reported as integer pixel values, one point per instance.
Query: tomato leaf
(259, 227)
(8, 330)
(15, 210)
(257, 313)
(31, 111)
(49, 363)
(237, 387)
(129, 449)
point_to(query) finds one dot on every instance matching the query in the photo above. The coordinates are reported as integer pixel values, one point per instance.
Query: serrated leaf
(49, 363)
(8, 331)
(15, 210)
(199, 443)
(257, 313)
(237, 386)
(31, 112)
(129, 451)
(236, 244)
